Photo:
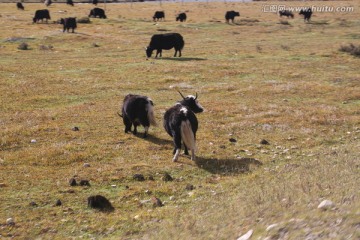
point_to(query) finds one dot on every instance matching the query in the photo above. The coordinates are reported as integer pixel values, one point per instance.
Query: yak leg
(135, 128)
(127, 124)
(186, 150)
(177, 142)
(145, 122)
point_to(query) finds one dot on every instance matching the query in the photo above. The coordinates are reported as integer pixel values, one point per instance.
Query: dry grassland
(261, 78)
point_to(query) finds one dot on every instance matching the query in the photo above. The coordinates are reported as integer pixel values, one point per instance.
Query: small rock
(10, 222)
(33, 204)
(147, 191)
(113, 186)
(167, 177)
(33, 141)
(86, 165)
(84, 183)
(222, 146)
(138, 177)
(232, 140)
(264, 142)
(72, 182)
(100, 202)
(326, 204)
(151, 178)
(75, 129)
(189, 187)
(172, 198)
(2, 185)
(246, 236)
(156, 202)
(58, 203)
(272, 226)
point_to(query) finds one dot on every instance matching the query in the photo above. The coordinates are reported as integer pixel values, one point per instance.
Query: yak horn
(120, 115)
(196, 96)
(180, 94)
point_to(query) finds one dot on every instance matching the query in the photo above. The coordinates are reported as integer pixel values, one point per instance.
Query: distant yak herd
(70, 23)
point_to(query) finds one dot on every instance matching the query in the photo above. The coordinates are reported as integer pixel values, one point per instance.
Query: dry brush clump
(351, 48)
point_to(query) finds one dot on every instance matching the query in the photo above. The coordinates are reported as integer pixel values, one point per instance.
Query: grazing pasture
(279, 134)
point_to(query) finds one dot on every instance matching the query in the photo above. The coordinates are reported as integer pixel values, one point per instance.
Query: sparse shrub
(258, 48)
(285, 47)
(43, 47)
(84, 20)
(352, 49)
(23, 46)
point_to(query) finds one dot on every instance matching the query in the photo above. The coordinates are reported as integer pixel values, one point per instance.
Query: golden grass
(257, 78)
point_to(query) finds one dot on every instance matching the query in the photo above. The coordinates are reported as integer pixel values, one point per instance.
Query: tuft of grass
(23, 46)
(284, 22)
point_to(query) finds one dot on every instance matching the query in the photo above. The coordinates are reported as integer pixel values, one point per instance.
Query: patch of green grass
(256, 79)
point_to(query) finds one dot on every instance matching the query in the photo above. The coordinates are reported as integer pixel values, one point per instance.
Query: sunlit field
(260, 78)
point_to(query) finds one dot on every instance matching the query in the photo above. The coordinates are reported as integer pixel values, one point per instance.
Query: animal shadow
(227, 166)
(183, 59)
(154, 139)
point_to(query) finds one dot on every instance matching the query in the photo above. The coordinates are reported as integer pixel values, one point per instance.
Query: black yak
(20, 6)
(137, 110)
(165, 41)
(159, 15)
(48, 2)
(286, 13)
(230, 15)
(306, 13)
(68, 23)
(41, 14)
(70, 2)
(181, 17)
(181, 124)
(97, 12)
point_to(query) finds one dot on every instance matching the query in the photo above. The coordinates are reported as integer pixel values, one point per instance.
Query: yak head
(149, 51)
(192, 103)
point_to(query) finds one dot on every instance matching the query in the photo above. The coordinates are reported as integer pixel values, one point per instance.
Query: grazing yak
(230, 15)
(286, 13)
(181, 17)
(181, 124)
(159, 15)
(41, 14)
(137, 110)
(95, 2)
(68, 23)
(306, 13)
(48, 2)
(70, 2)
(20, 6)
(97, 12)
(165, 41)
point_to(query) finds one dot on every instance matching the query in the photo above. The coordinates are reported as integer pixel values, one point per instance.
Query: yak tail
(188, 137)
(150, 113)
